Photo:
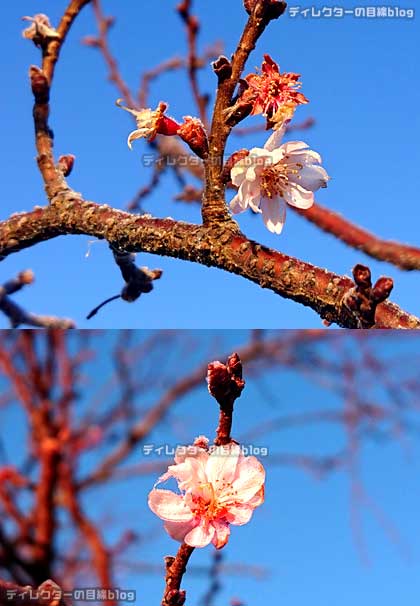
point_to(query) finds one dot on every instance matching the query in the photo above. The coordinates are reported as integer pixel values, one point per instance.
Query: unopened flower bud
(222, 68)
(201, 442)
(225, 382)
(192, 131)
(66, 163)
(39, 84)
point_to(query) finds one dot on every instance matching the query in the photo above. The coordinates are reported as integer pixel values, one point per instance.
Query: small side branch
(18, 316)
(175, 570)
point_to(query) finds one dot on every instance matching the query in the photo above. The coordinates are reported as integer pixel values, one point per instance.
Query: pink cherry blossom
(274, 175)
(218, 487)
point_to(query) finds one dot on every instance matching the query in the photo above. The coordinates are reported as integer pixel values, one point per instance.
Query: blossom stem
(225, 425)
(214, 209)
(175, 570)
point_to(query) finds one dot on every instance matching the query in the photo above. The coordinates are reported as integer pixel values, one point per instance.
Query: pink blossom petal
(257, 499)
(201, 535)
(221, 535)
(240, 514)
(182, 452)
(221, 466)
(250, 478)
(299, 197)
(169, 506)
(191, 472)
(274, 213)
(178, 530)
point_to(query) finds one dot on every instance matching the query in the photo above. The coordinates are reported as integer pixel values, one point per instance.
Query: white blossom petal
(292, 147)
(274, 213)
(311, 177)
(276, 138)
(298, 197)
(238, 172)
(236, 205)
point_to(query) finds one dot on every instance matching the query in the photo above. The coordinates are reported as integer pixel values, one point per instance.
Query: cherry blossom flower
(274, 175)
(150, 123)
(219, 487)
(272, 93)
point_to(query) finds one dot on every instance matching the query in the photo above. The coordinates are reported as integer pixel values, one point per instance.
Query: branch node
(222, 67)
(363, 299)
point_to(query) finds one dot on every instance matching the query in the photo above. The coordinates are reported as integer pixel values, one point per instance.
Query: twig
(17, 315)
(104, 24)
(41, 81)
(192, 26)
(138, 280)
(175, 570)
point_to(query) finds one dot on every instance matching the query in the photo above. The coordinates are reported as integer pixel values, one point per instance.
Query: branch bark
(216, 246)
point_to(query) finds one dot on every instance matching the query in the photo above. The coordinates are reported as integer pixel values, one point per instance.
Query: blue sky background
(302, 536)
(360, 76)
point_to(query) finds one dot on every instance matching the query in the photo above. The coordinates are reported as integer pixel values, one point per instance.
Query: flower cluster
(267, 178)
(274, 175)
(218, 487)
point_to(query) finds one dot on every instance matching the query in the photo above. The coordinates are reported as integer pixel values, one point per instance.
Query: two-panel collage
(202, 200)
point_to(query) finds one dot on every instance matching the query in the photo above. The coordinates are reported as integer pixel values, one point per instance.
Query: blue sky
(360, 77)
(302, 536)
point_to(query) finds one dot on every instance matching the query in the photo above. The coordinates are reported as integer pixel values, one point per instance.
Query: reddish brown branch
(401, 255)
(17, 315)
(41, 81)
(100, 556)
(192, 26)
(114, 74)
(317, 288)
(175, 570)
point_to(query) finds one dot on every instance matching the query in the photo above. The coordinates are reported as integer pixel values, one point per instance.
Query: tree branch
(401, 255)
(217, 246)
